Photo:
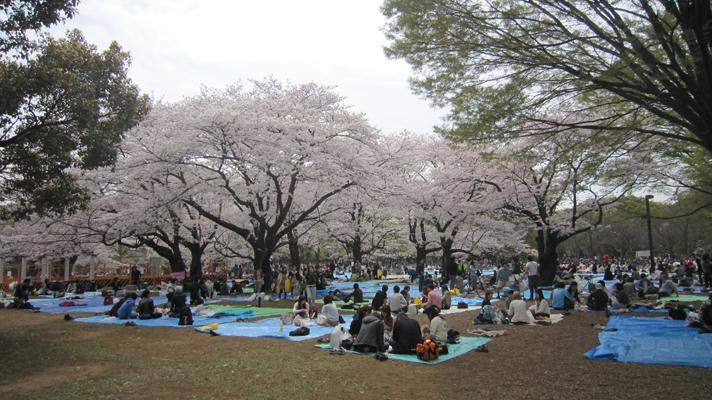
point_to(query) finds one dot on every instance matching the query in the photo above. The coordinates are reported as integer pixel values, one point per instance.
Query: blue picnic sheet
(169, 322)
(270, 328)
(640, 310)
(91, 304)
(653, 341)
(466, 345)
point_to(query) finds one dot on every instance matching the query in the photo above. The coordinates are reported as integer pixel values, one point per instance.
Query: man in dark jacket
(598, 299)
(380, 298)
(406, 335)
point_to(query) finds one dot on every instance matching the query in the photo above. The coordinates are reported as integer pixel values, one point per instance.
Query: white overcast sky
(178, 45)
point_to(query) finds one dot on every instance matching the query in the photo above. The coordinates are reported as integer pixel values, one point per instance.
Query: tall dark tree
(64, 106)
(642, 67)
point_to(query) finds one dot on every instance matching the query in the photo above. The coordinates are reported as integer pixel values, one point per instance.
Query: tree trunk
(446, 245)
(356, 251)
(547, 244)
(263, 262)
(294, 256)
(177, 264)
(420, 254)
(196, 262)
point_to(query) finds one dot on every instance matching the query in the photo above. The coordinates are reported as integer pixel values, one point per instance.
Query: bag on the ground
(462, 304)
(678, 314)
(301, 331)
(185, 317)
(427, 351)
(453, 336)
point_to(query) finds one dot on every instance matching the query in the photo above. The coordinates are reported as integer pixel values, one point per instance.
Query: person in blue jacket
(558, 296)
(126, 311)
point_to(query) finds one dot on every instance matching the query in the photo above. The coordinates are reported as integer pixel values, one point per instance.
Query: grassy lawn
(42, 356)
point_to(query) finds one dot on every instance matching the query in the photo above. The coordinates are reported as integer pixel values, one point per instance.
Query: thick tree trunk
(294, 256)
(177, 264)
(263, 262)
(420, 254)
(196, 262)
(547, 244)
(357, 251)
(446, 247)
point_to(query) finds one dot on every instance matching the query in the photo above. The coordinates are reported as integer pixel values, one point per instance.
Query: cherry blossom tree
(271, 157)
(560, 186)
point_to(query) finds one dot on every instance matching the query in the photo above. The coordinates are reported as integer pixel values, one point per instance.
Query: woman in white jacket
(518, 312)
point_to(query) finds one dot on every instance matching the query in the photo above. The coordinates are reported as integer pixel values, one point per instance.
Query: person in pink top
(434, 297)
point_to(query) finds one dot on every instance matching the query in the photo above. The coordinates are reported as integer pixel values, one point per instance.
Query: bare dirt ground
(44, 357)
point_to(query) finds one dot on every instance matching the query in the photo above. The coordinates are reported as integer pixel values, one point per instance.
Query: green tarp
(466, 345)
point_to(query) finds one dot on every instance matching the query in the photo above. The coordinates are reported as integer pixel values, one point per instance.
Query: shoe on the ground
(380, 357)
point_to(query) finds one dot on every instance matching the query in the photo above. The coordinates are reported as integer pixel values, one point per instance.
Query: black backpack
(185, 317)
(301, 331)
(679, 313)
(462, 304)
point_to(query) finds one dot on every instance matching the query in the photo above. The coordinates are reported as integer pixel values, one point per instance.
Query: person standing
(532, 270)
(135, 275)
(312, 278)
(707, 270)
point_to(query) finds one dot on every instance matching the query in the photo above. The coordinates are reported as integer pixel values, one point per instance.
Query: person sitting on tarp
(446, 300)
(355, 326)
(406, 335)
(540, 308)
(518, 312)
(629, 287)
(178, 302)
(388, 321)
(434, 298)
(438, 326)
(668, 286)
(488, 313)
(380, 298)
(706, 315)
(126, 311)
(558, 296)
(598, 299)
(300, 312)
(356, 294)
(146, 308)
(194, 290)
(608, 274)
(406, 294)
(397, 302)
(619, 298)
(329, 313)
(571, 296)
(370, 336)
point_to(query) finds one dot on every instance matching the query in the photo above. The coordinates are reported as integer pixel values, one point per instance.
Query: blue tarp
(641, 310)
(653, 341)
(92, 304)
(270, 328)
(170, 322)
